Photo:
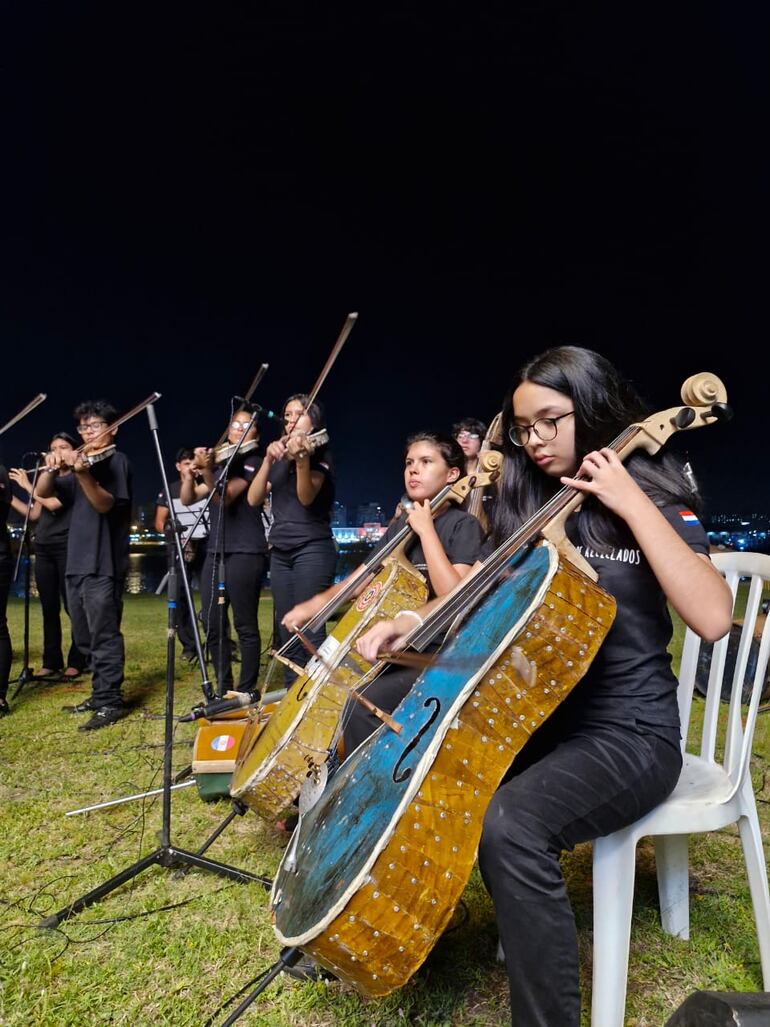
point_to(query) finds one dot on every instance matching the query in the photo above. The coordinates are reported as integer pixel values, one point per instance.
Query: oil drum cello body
(387, 850)
(273, 764)
(272, 767)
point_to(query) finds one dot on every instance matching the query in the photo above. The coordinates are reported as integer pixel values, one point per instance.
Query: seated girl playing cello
(444, 549)
(611, 751)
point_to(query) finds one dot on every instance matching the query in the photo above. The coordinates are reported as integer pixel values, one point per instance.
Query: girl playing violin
(236, 553)
(298, 478)
(444, 548)
(611, 751)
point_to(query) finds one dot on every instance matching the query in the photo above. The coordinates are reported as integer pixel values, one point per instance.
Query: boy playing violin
(97, 555)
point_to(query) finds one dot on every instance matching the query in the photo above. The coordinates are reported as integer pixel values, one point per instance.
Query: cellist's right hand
(386, 634)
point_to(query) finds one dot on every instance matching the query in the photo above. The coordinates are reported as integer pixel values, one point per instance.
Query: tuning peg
(722, 412)
(684, 417)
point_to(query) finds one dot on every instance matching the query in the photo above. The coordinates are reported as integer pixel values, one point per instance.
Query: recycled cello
(383, 857)
(273, 764)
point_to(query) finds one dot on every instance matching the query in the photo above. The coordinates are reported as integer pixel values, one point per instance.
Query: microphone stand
(167, 855)
(26, 674)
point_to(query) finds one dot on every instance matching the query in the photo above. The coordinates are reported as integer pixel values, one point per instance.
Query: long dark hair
(605, 405)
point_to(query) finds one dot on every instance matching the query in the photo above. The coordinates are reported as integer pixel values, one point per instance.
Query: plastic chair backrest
(738, 736)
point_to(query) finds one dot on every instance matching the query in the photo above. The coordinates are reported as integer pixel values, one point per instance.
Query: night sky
(190, 191)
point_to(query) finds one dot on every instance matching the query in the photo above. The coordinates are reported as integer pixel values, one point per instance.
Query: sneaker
(104, 716)
(5, 709)
(189, 655)
(87, 706)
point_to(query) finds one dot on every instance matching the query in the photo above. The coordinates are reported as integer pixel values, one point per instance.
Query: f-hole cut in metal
(398, 778)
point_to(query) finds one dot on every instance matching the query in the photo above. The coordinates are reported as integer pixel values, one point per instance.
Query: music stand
(167, 855)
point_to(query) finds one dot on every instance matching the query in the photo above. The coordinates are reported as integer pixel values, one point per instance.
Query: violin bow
(40, 398)
(250, 392)
(347, 328)
(352, 692)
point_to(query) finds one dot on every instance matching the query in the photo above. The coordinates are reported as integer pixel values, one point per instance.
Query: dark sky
(190, 191)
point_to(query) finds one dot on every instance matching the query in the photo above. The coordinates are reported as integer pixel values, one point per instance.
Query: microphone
(211, 709)
(35, 457)
(253, 408)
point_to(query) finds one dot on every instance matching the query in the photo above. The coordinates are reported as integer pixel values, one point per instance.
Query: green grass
(164, 950)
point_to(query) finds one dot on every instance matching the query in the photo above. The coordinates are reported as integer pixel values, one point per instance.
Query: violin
(223, 453)
(99, 455)
(312, 442)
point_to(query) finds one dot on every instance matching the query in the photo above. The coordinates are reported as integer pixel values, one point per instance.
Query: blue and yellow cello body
(384, 856)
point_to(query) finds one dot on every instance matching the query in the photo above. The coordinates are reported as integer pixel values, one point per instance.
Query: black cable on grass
(228, 1002)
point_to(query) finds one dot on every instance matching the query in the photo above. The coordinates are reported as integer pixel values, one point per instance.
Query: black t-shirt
(98, 543)
(5, 505)
(240, 530)
(630, 680)
(459, 533)
(293, 523)
(52, 527)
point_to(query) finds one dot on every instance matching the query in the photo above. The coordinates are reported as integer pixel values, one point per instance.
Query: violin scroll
(703, 389)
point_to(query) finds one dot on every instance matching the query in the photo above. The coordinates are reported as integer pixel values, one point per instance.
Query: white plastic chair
(709, 795)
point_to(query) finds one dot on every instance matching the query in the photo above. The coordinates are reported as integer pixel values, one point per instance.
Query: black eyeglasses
(462, 436)
(90, 426)
(544, 427)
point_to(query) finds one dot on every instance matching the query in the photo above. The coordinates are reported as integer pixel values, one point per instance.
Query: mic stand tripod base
(27, 675)
(166, 856)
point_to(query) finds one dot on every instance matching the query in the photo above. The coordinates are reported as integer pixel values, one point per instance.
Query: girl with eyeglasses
(611, 750)
(298, 478)
(470, 434)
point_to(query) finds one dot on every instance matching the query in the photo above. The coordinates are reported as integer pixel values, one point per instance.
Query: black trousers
(242, 575)
(96, 609)
(573, 784)
(6, 652)
(296, 575)
(50, 565)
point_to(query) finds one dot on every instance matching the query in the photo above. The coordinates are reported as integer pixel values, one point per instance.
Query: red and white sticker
(368, 596)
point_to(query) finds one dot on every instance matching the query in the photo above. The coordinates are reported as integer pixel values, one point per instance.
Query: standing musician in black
(470, 433)
(97, 555)
(6, 653)
(236, 554)
(194, 548)
(299, 479)
(51, 517)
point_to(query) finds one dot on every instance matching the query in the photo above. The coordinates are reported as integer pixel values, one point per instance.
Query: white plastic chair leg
(614, 865)
(672, 865)
(751, 839)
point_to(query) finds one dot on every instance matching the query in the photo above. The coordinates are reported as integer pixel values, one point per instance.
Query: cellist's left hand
(420, 517)
(606, 477)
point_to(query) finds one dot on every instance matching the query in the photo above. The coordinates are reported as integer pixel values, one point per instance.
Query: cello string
(475, 587)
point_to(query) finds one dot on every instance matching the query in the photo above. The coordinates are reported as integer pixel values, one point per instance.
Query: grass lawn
(168, 950)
